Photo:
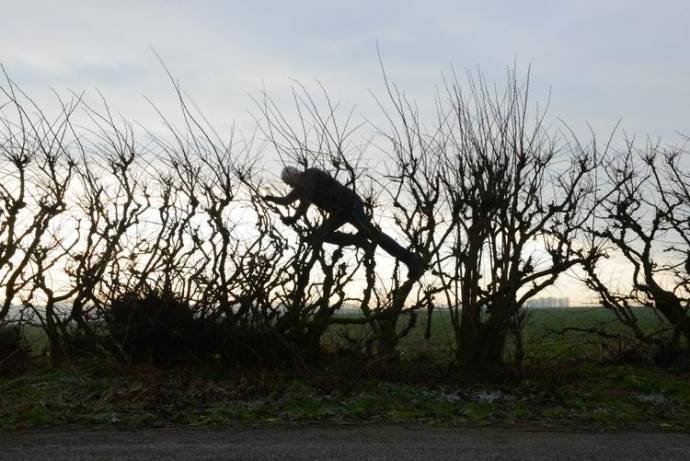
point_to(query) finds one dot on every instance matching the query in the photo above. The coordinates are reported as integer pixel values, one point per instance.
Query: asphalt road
(368, 442)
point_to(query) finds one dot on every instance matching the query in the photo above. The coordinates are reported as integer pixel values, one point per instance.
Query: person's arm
(288, 199)
(301, 210)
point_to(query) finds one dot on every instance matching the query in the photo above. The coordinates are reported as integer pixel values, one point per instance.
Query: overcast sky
(602, 60)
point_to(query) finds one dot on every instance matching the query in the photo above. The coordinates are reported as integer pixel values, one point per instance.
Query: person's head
(291, 176)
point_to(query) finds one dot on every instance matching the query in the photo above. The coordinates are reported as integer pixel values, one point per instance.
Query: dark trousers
(366, 234)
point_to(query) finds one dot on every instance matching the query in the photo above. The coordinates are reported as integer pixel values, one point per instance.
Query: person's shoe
(415, 268)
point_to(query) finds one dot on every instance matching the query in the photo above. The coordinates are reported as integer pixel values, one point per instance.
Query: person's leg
(328, 227)
(346, 239)
(327, 233)
(389, 245)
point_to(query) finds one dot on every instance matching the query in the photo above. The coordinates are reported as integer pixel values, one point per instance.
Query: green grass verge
(564, 384)
(586, 396)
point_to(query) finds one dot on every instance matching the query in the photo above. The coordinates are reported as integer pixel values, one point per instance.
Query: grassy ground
(585, 396)
(566, 383)
(544, 335)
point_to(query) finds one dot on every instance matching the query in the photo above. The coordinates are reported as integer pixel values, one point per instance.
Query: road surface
(365, 442)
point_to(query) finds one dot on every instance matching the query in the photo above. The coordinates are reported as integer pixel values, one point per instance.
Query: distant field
(541, 340)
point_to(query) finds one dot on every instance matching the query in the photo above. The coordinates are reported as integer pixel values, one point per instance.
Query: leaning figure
(343, 205)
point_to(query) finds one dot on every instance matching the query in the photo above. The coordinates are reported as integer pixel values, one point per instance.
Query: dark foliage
(162, 330)
(88, 344)
(152, 328)
(14, 354)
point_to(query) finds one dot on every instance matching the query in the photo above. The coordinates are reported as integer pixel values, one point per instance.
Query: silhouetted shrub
(162, 330)
(14, 353)
(248, 347)
(83, 344)
(153, 328)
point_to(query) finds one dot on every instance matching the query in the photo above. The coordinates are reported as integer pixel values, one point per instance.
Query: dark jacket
(319, 188)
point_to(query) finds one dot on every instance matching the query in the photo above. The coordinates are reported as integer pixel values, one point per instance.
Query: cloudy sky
(602, 60)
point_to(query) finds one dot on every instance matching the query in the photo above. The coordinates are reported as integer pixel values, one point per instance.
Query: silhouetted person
(343, 205)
